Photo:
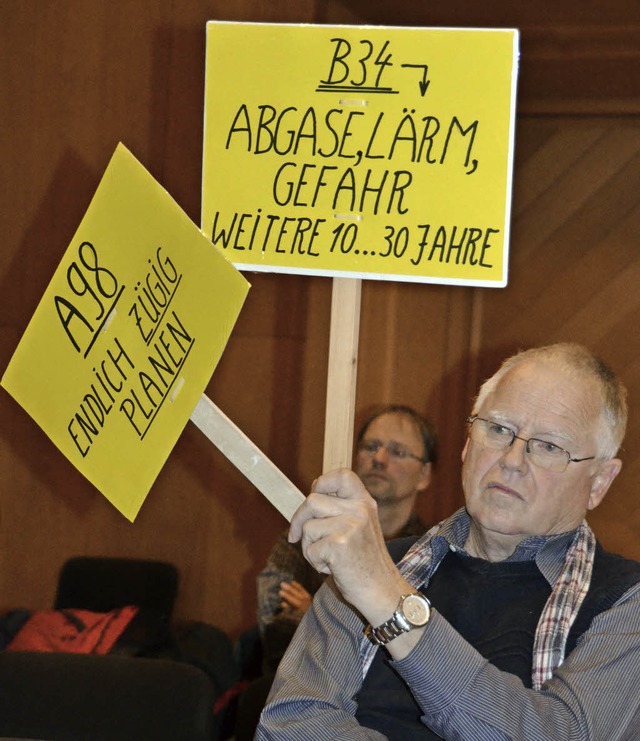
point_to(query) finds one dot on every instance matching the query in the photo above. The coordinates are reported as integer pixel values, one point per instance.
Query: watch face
(416, 609)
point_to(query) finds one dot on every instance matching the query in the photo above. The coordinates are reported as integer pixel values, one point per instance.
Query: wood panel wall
(78, 77)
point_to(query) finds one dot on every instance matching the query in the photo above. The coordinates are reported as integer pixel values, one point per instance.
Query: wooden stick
(247, 457)
(342, 375)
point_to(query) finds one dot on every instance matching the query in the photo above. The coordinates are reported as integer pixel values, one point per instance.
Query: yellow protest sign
(127, 334)
(370, 152)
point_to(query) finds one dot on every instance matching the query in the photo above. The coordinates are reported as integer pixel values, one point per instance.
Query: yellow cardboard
(127, 334)
(371, 152)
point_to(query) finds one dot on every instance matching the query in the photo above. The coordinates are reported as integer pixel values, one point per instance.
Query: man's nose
(515, 456)
(381, 455)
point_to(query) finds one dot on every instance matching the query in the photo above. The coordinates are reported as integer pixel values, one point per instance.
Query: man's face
(387, 478)
(507, 496)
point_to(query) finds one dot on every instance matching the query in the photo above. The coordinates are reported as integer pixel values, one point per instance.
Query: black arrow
(424, 83)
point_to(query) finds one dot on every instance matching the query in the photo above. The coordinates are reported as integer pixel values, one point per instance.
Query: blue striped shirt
(592, 695)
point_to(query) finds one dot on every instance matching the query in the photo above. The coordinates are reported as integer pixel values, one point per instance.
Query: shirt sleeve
(312, 695)
(592, 695)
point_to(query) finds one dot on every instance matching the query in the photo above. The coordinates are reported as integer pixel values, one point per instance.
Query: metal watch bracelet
(389, 630)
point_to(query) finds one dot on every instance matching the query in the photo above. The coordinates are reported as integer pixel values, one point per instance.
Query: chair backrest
(102, 584)
(67, 697)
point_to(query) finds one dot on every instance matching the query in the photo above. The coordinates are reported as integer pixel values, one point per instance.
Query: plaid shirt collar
(548, 551)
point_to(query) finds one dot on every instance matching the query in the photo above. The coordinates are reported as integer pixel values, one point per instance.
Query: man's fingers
(327, 539)
(295, 596)
(341, 483)
(293, 590)
(324, 500)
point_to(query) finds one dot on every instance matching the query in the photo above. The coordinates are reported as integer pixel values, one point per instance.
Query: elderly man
(506, 621)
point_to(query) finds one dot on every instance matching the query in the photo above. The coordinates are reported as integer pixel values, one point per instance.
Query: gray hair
(576, 360)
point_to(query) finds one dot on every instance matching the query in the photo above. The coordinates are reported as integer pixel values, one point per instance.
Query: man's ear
(464, 450)
(425, 478)
(602, 480)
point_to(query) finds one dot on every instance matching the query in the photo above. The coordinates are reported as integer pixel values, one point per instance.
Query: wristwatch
(413, 611)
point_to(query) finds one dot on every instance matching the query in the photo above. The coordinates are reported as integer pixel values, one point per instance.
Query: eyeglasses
(394, 450)
(542, 453)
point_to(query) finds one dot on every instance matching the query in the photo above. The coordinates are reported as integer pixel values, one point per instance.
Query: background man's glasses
(541, 453)
(394, 450)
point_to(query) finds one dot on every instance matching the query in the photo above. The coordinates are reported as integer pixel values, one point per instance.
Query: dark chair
(72, 697)
(248, 653)
(161, 680)
(102, 584)
(250, 704)
(255, 685)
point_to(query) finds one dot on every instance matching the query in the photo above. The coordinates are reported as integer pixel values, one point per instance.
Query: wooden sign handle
(341, 379)
(247, 457)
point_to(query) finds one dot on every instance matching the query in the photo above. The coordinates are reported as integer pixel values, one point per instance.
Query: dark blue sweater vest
(495, 607)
